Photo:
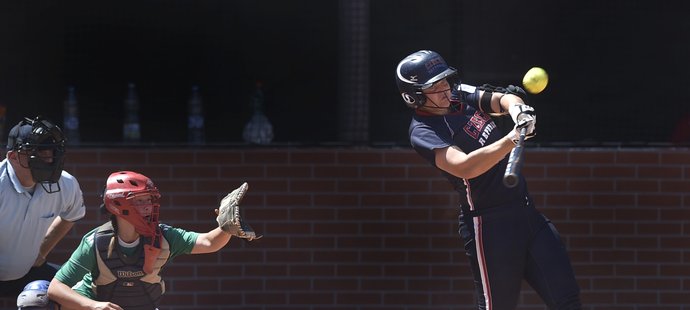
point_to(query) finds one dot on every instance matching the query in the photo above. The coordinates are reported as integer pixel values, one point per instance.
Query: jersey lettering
(475, 124)
(487, 131)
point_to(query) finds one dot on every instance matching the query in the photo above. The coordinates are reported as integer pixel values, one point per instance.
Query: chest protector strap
(121, 278)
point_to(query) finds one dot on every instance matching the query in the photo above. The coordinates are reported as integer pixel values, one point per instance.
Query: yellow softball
(535, 80)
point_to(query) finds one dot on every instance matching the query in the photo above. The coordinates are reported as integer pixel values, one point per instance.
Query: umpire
(39, 203)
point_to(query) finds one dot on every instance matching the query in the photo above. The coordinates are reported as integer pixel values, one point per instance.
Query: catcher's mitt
(229, 218)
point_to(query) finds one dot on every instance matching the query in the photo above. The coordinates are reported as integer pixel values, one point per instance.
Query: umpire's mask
(44, 144)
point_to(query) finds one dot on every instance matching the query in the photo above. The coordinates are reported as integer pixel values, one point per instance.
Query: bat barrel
(511, 178)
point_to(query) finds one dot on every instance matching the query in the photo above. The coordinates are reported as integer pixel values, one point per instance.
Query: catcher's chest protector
(121, 278)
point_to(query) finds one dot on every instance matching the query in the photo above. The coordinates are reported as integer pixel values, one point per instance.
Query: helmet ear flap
(414, 100)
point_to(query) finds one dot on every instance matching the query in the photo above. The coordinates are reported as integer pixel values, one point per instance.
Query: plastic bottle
(259, 129)
(195, 120)
(71, 117)
(131, 129)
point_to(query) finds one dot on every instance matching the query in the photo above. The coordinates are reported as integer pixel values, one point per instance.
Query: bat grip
(511, 178)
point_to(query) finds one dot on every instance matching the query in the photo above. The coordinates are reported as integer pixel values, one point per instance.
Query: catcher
(118, 265)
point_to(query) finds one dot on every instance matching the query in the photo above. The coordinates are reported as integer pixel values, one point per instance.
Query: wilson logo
(129, 274)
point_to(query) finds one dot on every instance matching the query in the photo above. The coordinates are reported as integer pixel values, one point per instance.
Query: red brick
(572, 172)
(675, 186)
(370, 200)
(637, 214)
(613, 284)
(241, 171)
(637, 242)
(659, 284)
(545, 157)
(638, 157)
(392, 172)
(218, 157)
(406, 299)
(601, 229)
(360, 158)
(590, 186)
(335, 285)
(402, 157)
(674, 298)
(592, 157)
(126, 156)
(360, 186)
(312, 157)
(636, 298)
(660, 200)
(336, 200)
(266, 156)
(661, 256)
(569, 200)
(335, 172)
(547, 185)
(614, 171)
(613, 199)
(660, 228)
(196, 172)
(312, 186)
(170, 157)
(675, 158)
(289, 200)
(292, 171)
(424, 172)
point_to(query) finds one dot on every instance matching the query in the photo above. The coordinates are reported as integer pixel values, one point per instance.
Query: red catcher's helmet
(121, 190)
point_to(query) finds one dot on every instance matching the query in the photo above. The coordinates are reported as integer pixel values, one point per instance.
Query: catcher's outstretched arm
(211, 241)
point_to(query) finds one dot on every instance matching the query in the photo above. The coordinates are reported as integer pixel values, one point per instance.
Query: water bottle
(131, 129)
(195, 120)
(71, 117)
(259, 129)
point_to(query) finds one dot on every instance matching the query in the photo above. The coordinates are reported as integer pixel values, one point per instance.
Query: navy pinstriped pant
(508, 244)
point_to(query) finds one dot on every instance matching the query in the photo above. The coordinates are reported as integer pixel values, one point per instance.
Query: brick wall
(376, 228)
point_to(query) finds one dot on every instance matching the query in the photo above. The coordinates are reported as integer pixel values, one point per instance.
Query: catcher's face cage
(419, 71)
(35, 296)
(45, 148)
(133, 197)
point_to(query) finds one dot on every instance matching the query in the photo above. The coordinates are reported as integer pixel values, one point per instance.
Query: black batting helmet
(419, 71)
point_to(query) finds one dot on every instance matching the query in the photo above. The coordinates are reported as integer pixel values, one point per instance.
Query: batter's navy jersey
(506, 238)
(469, 129)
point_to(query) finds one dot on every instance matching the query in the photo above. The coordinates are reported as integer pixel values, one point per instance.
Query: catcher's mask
(35, 297)
(133, 197)
(44, 144)
(419, 71)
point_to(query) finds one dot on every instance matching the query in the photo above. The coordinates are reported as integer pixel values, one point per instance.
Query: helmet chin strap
(453, 107)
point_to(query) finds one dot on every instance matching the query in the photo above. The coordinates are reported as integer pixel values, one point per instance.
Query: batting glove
(229, 218)
(516, 132)
(524, 117)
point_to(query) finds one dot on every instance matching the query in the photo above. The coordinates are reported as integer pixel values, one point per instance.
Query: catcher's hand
(229, 218)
